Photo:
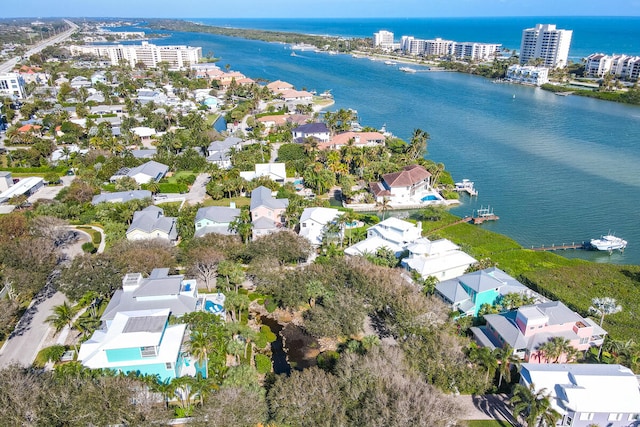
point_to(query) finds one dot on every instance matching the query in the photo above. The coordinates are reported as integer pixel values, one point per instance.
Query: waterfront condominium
(546, 43)
(383, 39)
(146, 53)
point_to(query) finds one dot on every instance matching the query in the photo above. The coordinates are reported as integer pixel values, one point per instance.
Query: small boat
(608, 243)
(407, 70)
(293, 54)
(390, 62)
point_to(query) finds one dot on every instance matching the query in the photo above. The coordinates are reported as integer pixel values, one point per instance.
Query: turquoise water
(555, 169)
(429, 198)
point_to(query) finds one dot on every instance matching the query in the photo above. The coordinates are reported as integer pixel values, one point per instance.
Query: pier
(562, 247)
(481, 215)
(466, 186)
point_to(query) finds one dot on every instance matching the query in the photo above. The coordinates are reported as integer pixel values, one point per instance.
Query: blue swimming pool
(429, 198)
(212, 307)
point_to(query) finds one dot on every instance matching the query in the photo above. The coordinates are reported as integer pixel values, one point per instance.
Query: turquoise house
(135, 335)
(469, 292)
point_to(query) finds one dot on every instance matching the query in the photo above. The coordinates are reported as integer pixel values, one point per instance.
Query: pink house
(529, 327)
(267, 212)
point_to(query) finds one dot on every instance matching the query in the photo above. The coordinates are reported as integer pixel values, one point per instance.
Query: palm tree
(62, 316)
(604, 306)
(555, 348)
(242, 224)
(383, 207)
(199, 348)
(506, 360)
(166, 388)
(534, 406)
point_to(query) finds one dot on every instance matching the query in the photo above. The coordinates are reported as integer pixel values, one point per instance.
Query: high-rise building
(383, 39)
(475, 51)
(12, 84)
(546, 43)
(438, 47)
(621, 66)
(146, 53)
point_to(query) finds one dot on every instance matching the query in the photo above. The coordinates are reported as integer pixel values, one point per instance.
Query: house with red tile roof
(410, 186)
(358, 139)
(279, 86)
(29, 128)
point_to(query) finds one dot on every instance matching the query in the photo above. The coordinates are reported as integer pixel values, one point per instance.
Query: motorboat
(407, 69)
(608, 243)
(390, 62)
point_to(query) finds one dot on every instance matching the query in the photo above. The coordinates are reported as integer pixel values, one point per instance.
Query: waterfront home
(587, 394)
(219, 152)
(529, 327)
(299, 96)
(319, 131)
(392, 233)
(411, 186)
(441, 259)
(267, 212)
(215, 219)
(143, 174)
(469, 292)
(121, 196)
(357, 139)
(278, 86)
(527, 74)
(314, 223)
(274, 171)
(135, 335)
(150, 223)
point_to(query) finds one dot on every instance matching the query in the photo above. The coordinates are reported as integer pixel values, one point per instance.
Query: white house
(392, 233)
(528, 74)
(441, 259)
(319, 131)
(314, 221)
(215, 219)
(587, 394)
(219, 152)
(410, 186)
(144, 173)
(274, 171)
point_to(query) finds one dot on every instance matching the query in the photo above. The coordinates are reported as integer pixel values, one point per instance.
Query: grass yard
(239, 201)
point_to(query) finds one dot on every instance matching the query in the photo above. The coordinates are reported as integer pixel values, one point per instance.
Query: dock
(564, 93)
(562, 247)
(482, 215)
(466, 186)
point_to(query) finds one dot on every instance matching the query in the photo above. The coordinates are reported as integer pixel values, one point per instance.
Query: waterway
(555, 169)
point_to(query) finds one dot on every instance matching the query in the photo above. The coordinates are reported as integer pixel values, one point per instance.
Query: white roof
(22, 187)
(597, 388)
(371, 245)
(320, 215)
(396, 223)
(434, 264)
(424, 246)
(275, 171)
(143, 131)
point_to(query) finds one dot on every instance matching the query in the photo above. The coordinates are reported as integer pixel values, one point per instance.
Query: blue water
(429, 198)
(213, 308)
(555, 169)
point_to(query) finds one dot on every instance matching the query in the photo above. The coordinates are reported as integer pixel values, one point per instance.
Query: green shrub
(270, 305)
(327, 360)
(167, 187)
(47, 354)
(263, 363)
(88, 247)
(96, 237)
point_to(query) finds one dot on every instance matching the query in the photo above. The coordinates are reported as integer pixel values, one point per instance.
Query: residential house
(528, 327)
(215, 219)
(587, 394)
(98, 77)
(143, 174)
(357, 139)
(267, 212)
(314, 222)
(274, 171)
(411, 186)
(24, 187)
(392, 233)
(148, 153)
(296, 96)
(319, 131)
(150, 223)
(121, 196)
(135, 334)
(219, 152)
(13, 85)
(80, 82)
(6, 180)
(441, 259)
(278, 86)
(469, 292)
(144, 133)
(107, 109)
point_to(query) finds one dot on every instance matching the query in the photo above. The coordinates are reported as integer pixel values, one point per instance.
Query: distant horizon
(186, 18)
(330, 9)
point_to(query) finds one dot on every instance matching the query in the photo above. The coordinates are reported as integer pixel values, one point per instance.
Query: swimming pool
(429, 198)
(213, 307)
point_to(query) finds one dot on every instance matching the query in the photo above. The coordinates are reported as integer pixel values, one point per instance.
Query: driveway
(484, 407)
(198, 190)
(49, 192)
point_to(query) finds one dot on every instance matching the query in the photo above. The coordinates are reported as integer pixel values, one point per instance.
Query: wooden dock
(562, 247)
(480, 219)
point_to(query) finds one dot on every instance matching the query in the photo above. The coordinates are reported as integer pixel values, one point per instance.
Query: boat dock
(466, 186)
(482, 215)
(562, 247)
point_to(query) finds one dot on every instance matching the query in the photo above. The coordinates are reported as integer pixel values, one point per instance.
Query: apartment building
(12, 84)
(146, 53)
(437, 47)
(547, 43)
(383, 39)
(528, 74)
(621, 66)
(474, 51)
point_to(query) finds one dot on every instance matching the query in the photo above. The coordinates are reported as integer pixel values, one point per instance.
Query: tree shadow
(495, 406)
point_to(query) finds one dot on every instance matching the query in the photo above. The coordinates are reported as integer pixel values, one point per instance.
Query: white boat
(608, 243)
(407, 69)
(390, 62)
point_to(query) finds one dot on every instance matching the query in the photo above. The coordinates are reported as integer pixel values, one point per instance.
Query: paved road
(10, 64)
(198, 190)
(24, 342)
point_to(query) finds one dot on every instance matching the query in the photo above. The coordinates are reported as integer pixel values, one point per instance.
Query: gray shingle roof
(311, 128)
(151, 219)
(121, 196)
(261, 196)
(218, 214)
(152, 168)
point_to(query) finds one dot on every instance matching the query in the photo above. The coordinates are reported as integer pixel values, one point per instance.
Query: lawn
(239, 201)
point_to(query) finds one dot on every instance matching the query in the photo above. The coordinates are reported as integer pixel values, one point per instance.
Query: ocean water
(555, 169)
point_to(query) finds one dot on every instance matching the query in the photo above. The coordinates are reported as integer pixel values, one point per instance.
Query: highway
(10, 64)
